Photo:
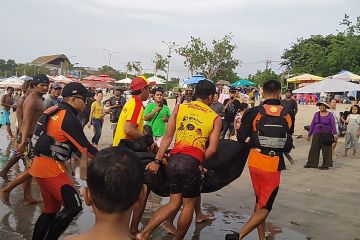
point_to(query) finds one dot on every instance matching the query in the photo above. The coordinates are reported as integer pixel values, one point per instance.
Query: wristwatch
(157, 161)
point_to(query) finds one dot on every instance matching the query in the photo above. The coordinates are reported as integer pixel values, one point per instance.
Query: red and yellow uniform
(133, 112)
(194, 123)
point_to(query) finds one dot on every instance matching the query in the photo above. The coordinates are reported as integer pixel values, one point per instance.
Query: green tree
(260, 77)
(134, 66)
(160, 63)
(7, 67)
(326, 55)
(215, 62)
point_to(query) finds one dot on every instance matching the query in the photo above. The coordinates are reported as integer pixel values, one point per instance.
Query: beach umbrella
(95, 84)
(304, 78)
(124, 81)
(194, 79)
(157, 80)
(347, 76)
(223, 82)
(243, 82)
(106, 78)
(329, 85)
(14, 82)
(92, 78)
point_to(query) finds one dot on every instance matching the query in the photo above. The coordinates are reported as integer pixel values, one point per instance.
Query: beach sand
(318, 204)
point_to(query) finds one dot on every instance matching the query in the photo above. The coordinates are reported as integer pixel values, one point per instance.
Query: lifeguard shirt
(194, 123)
(133, 112)
(256, 159)
(65, 127)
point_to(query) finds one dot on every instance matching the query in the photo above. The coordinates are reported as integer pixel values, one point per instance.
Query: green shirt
(157, 124)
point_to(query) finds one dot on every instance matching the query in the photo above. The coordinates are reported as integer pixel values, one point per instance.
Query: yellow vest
(194, 123)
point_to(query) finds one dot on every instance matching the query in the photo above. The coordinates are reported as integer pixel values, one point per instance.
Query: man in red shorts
(268, 127)
(54, 144)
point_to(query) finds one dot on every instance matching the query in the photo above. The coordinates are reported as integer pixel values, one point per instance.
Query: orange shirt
(63, 126)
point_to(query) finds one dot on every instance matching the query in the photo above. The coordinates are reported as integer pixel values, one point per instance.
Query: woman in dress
(352, 130)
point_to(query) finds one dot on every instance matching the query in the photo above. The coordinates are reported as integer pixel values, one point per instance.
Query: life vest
(271, 131)
(45, 145)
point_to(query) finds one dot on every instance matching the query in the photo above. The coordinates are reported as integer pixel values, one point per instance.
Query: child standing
(352, 136)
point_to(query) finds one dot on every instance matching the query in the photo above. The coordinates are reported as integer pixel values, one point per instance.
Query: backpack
(271, 129)
(43, 144)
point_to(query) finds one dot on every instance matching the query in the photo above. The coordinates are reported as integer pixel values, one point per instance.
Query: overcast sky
(262, 29)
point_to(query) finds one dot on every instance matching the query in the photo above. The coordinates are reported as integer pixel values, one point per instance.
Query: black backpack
(271, 130)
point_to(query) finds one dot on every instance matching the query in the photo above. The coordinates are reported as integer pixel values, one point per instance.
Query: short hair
(115, 179)
(272, 87)
(243, 106)
(204, 89)
(98, 92)
(158, 89)
(8, 88)
(26, 85)
(332, 99)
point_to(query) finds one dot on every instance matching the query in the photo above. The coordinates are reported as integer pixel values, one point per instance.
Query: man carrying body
(291, 106)
(131, 126)
(117, 103)
(59, 136)
(53, 98)
(7, 102)
(231, 106)
(33, 107)
(266, 155)
(193, 123)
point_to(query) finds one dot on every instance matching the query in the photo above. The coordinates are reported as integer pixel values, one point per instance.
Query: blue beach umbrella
(194, 79)
(243, 82)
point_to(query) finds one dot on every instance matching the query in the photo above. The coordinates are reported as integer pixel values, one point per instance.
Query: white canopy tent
(14, 82)
(157, 80)
(62, 79)
(329, 85)
(25, 78)
(124, 81)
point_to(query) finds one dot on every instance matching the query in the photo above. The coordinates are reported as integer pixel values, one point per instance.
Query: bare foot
(202, 218)
(4, 196)
(32, 202)
(169, 227)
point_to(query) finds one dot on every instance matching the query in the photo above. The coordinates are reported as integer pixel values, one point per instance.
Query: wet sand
(311, 204)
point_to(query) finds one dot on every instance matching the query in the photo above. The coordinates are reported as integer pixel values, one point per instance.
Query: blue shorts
(4, 117)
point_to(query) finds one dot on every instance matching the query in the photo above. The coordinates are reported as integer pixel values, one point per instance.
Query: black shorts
(184, 175)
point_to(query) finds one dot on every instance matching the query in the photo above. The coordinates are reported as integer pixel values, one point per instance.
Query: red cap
(139, 83)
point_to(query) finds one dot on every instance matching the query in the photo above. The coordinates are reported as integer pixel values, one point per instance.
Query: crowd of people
(50, 133)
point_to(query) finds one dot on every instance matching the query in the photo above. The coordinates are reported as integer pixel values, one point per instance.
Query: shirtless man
(33, 108)
(7, 102)
(27, 88)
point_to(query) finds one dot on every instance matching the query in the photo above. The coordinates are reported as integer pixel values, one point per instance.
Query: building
(58, 64)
